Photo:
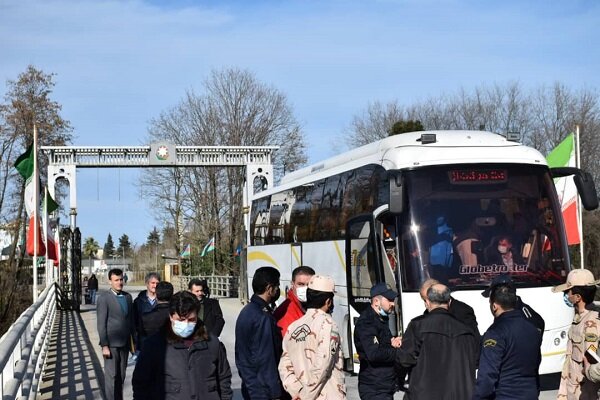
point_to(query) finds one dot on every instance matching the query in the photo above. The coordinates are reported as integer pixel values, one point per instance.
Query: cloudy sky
(118, 64)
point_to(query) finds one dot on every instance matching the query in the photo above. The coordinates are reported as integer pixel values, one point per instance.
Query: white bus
(419, 205)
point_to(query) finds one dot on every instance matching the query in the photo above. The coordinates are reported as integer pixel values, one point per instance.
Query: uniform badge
(375, 340)
(490, 343)
(300, 333)
(591, 337)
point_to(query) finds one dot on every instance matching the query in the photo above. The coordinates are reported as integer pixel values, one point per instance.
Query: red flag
(35, 224)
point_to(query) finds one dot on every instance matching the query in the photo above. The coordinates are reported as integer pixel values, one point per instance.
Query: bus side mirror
(396, 202)
(584, 183)
(587, 190)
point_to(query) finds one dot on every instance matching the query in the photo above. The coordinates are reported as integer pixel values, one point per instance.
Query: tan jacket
(584, 331)
(311, 364)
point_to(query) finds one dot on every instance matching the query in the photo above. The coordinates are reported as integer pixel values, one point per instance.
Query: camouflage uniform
(311, 364)
(584, 331)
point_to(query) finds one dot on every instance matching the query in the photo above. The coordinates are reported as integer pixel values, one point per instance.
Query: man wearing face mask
(379, 353)
(258, 339)
(184, 361)
(529, 313)
(293, 307)
(311, 364)
(584, 332)
(510, 353)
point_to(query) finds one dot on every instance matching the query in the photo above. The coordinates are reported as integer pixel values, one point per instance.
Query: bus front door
(363, 270)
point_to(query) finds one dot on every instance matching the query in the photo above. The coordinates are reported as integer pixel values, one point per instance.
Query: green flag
(24, 165)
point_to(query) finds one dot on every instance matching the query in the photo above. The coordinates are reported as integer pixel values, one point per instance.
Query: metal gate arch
(63, 162)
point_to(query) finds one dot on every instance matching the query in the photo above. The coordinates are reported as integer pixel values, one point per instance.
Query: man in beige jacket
(311, 364)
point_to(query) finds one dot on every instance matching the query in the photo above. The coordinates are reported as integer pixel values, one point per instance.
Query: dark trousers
(373, 394)
(114, 373)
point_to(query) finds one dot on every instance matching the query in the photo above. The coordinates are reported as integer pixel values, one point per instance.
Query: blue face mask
(183, 329)
(383, 313)
(566, 299)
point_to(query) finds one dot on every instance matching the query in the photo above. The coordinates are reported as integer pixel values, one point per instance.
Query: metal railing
(24, 346)
(220, 286)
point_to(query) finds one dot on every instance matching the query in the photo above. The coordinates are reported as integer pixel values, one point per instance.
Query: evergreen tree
(406, 126)
(153, 238)
(124, 249)
(109, 247)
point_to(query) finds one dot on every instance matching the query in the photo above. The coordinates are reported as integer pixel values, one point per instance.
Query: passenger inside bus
(441, 252)
(501, 252)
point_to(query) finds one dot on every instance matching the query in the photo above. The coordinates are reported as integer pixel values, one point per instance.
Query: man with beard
(378, 352)
(292, 308)
(210, 311)
(258, 339)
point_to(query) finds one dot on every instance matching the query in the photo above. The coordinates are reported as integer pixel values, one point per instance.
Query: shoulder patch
(489, 343)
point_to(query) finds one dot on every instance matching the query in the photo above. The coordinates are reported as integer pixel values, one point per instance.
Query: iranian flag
(26, 165)
(564, 156)
(49, 207)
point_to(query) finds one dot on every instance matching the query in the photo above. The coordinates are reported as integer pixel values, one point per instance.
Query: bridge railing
(23, 348)
(220, 286)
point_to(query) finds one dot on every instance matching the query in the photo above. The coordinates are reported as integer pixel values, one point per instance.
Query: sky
(119, 64)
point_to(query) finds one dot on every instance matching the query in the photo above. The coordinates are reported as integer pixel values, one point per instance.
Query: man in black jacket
(144, 303)
(378, 351)
(462, 311)
(210, 311)
(154, 320)
(183, 361)
(445, 349)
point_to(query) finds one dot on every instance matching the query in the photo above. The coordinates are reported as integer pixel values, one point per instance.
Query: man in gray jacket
(116, 332)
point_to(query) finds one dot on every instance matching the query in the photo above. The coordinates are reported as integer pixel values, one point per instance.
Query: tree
(376, 122)
(90, 248)
(27, 101)
(153, 238)
(234, 109)
(406, 126)
(109, 247)
(124, 249)
(543, 116)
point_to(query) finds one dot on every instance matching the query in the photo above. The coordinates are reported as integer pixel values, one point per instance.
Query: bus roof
(407, 151)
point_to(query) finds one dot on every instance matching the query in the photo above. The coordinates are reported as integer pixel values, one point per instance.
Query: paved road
(231, 309)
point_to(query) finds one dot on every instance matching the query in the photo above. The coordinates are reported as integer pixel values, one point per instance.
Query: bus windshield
(465, 224)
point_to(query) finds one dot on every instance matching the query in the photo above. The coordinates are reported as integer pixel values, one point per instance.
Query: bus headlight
(563, 334)
(556, 341)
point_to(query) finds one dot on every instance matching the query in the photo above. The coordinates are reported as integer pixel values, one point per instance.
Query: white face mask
(503, 249)
(301, 293)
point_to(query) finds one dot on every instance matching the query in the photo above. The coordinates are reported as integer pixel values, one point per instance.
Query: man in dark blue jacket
(510, 356)
(258, 340)
(379, 353)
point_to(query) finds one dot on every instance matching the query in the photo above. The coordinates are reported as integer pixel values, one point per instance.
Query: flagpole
(45, 225)
(214, 255)
(35, 212)
(579, 210)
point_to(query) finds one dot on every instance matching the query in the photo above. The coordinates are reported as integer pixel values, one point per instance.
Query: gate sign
(162, 154)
